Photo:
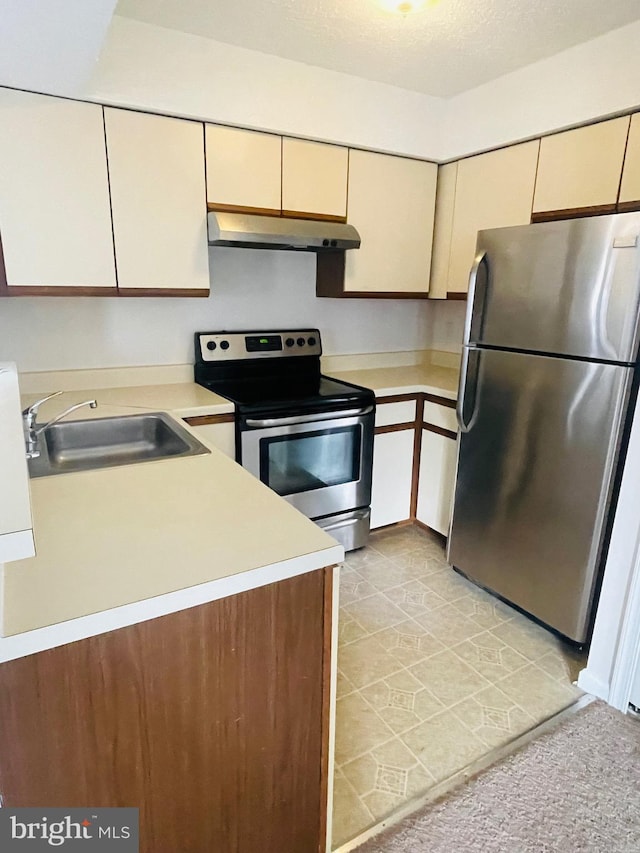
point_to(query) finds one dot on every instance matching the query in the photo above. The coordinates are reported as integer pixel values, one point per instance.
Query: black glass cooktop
(290, 395)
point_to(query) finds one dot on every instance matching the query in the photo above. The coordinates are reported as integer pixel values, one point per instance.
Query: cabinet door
(222, 436)
(213, 720)
(314, 178)
(581, 168)
(392, 477)
(244, 168)
(156, 172)
(55, 220)
(391, 202)
(492, 190)
(436, 481)
(443, 230)
(630, 187)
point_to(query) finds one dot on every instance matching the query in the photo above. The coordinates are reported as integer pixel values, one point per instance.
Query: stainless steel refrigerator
(548, 373)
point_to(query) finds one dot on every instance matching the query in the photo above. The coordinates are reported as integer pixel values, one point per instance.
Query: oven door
(321, 463)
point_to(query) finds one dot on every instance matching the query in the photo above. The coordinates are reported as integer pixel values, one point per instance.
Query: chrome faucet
(32, 432)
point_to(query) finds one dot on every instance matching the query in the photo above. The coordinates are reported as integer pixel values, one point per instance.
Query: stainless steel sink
(108, 442)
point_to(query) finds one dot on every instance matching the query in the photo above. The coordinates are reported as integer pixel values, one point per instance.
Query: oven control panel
(236, 346)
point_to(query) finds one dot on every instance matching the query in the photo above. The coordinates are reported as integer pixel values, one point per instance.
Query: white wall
(622, 561)
(446, 325)
(250, 289)
(154, 68)
(51, 46)
(586, 82)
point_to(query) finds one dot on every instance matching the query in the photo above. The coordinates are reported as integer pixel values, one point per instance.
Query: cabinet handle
(307, 419)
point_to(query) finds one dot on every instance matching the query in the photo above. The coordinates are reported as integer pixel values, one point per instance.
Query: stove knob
(301, 342)
(224, 344)
(289, 342)
(211, 345)
(311, 341)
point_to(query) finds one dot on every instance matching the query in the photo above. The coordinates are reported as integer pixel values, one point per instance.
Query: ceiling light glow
(405, 7)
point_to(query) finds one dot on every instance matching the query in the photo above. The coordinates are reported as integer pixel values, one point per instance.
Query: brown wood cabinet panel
(211, 720)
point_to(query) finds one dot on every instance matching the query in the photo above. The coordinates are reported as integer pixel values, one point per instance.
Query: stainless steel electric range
(307, 436)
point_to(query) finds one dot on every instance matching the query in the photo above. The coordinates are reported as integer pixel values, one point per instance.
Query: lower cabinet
(213, 721)
(392, 477)
(399, 491)
(436, 480)
(217, 430)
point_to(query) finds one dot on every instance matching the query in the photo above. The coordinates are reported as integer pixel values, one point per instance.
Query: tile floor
(433, 673)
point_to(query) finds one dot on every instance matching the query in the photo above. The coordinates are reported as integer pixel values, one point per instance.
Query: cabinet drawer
(396, 413)
(440, 416)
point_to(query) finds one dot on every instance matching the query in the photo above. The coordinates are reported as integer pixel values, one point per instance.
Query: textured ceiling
(448, 47)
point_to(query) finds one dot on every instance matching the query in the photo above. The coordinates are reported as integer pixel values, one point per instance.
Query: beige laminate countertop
(385, 381)
(136, 533)
(184, 399)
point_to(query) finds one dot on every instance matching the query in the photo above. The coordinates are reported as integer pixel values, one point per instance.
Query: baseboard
(591, 684)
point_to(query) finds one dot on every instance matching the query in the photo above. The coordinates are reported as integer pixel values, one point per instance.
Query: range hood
(279, 232)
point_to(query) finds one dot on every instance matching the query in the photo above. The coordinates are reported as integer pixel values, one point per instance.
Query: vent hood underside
(274, 232)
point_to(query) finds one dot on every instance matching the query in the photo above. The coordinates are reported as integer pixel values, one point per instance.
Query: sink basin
(108, 442)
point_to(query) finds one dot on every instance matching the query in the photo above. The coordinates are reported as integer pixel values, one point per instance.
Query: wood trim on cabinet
(65, 290)
(193, 292)
(447, 433)
(628, 206)
(398, 398)
(208, 420)
(239, 208)
(3, 273)
(417, 450)
(317, 217)
(441, 401)
(326, 706)
(372, 294)
(457, 295)
(380, 430)
(53, 290)
(572, 212)
(330, 273)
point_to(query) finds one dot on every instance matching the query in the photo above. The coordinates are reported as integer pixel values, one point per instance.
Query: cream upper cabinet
(581, 168)
(630, 187)
(391, 202)
(156, 172)
(314, 178)
(55, 221)
(445, 206)
(244, 168)
(491, 191)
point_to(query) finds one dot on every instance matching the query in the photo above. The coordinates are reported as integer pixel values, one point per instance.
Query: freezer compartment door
(534, 480)
(571, 288)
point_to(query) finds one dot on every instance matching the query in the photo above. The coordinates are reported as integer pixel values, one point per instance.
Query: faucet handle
(31, 412)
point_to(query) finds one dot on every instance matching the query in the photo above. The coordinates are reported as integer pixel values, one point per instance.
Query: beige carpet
(573, 790)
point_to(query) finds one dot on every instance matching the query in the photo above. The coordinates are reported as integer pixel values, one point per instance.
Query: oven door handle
(308, 419)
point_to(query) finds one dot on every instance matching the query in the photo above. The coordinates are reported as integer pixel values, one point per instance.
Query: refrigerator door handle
(471, 297)
(462, 387)
(462, 390)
